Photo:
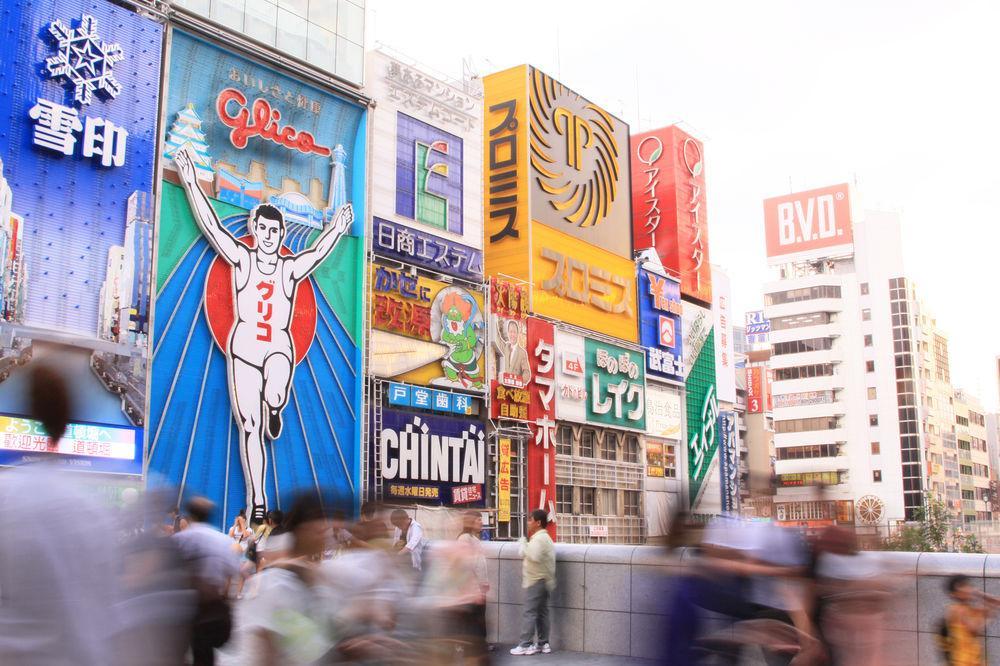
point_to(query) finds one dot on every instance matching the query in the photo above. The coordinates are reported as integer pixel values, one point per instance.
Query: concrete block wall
(614, 599)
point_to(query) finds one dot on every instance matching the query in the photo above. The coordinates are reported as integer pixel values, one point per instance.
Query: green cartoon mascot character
(460, 331)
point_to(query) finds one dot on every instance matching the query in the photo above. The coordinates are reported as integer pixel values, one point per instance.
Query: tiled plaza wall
(614, 599)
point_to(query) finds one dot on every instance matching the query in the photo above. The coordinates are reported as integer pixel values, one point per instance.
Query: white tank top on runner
(263, 313)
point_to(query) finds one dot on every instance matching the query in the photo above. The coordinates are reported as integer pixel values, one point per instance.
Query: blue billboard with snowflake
(256, 380)
(81, 86)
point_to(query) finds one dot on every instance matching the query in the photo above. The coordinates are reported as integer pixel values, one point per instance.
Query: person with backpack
(213, 564)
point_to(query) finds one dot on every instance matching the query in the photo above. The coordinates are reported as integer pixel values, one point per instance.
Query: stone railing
(614, 599)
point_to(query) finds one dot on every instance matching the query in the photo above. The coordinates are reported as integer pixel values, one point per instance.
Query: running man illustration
(260, 354)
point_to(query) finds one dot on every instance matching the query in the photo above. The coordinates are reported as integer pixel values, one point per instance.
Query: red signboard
(755, 391)
(808, 224)
(541, 455)
(508, 299)
(668, 206)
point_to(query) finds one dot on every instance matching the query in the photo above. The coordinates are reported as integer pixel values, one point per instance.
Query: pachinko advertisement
(256, 359)
(426, 332)
(80, 85)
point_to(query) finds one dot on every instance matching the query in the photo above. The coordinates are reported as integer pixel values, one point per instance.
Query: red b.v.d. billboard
(808, 224)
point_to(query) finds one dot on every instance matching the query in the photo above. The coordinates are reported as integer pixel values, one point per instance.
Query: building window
(869, 366)
(587, 437)
(806, 452)
(669, 461)
(802, 346)
(872, 393)
(876, 448)
(806, 424)
(564, 440)
(564, 499)
(609, 446)
(632, 502)
(798, 321)
(877, 476)
(868, 340)
(631, 449)
(864, 288)
(803, 294)
(803, 372)
(608, 502)
(866, 314)
(873, 419)
(586, 500)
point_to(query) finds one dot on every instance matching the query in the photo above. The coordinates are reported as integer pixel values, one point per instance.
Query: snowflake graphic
(84, 59)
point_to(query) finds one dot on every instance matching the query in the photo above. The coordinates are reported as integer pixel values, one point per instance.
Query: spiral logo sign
(577, 165)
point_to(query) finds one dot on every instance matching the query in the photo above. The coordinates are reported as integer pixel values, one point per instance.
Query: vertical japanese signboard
(541, 456)
(426, 155)
(660, 325)
(756, 400)
(511, 380)
(725, 364)
(668, 206)
(503, 480)
(80, 81)
(256, 383)
(729, 463)
(426, 332)
(616, 385)
(702, 406)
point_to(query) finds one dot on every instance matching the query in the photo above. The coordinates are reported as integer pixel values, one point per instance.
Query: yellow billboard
(581, 284)
(505, 173)
(426, 332)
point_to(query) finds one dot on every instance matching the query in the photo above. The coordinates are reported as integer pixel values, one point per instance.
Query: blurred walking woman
(475, 610)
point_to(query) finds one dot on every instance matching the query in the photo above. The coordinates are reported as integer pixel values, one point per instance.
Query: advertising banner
(80, 83)
(446, 402)
(503, 480)
(808, 224)
(663, 412)
(426, 156)
(85, 447)
(668, 206)
(616, 384)
(660, 325)
(756, 400)
(505, 173)
(571, 386)
(579, 174)
(654, 458)
(431, 459)
(702, 402)
(423, 250)
(725, 364)
(541, 454)
(256, 383)
(426, 332)
(510, 382)
(582, 284)
(758, 328)
(729, 463)
(804, 398)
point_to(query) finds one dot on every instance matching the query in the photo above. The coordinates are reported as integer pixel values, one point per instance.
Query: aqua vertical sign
(616, 385)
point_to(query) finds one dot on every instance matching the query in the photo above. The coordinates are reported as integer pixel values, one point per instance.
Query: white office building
(846, 424)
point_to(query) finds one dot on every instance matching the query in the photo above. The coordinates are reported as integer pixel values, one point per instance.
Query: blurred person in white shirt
(408, 538)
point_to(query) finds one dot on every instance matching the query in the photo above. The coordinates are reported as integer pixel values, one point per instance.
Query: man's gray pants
(536, 614)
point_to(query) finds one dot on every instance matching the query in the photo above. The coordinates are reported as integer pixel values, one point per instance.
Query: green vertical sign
(702, 416)
(616, 385)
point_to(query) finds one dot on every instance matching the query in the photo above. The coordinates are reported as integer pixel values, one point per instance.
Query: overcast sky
(899, 96)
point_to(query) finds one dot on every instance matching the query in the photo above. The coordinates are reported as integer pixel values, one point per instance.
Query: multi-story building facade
(937, 415)
(846, 423)
(973, 458)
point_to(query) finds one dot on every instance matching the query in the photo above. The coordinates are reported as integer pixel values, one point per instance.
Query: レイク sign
(617, 385)
(808, 224)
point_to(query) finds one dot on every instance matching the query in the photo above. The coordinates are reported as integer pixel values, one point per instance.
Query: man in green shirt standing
(538, 577)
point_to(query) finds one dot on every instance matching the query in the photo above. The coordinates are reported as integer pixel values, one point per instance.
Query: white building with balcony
(846, 428)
